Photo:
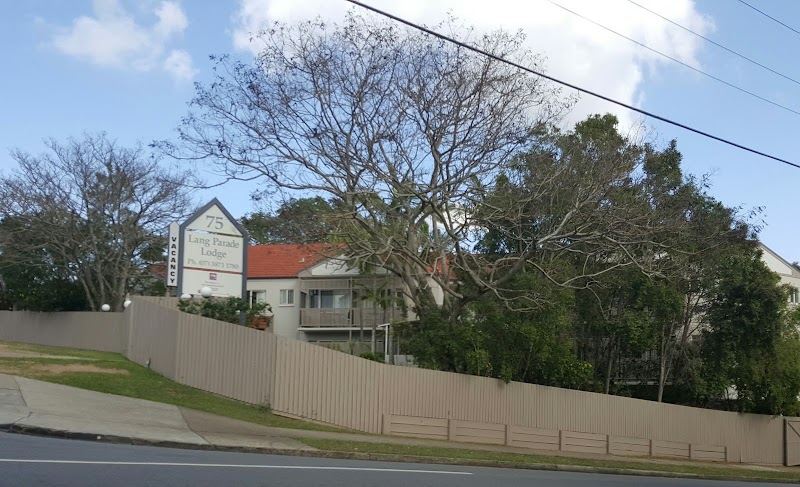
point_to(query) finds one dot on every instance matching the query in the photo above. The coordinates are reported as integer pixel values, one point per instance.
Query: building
(787, 271)
(322, 300)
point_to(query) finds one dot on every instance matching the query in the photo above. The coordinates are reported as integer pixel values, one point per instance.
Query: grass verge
(521, 459)
(114, 374)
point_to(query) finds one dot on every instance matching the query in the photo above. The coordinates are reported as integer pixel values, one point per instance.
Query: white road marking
(225, 465)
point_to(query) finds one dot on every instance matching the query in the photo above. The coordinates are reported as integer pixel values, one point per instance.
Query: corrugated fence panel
(226, 359)
(351, 392)
(152, 335)
(105, 332)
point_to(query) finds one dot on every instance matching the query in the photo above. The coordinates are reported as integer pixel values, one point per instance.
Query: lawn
(113, 373)
(522, 459)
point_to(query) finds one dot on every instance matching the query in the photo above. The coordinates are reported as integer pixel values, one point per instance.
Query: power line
(569, 85)
(697, 70)
(742, 56)
(770, 17)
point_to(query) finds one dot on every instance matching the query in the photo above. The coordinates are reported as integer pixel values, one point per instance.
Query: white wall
(789, 275)
(286, 318)
(776, 264)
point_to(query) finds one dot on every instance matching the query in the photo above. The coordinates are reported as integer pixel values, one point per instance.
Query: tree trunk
(662, 378)
(609, 368)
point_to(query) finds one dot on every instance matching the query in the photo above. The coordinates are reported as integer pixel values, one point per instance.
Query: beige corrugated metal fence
(351, 392)
(153, 335)
(307, 381)
(106, 332)
(227, 359)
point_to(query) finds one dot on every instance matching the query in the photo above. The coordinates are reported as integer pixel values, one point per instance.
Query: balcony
(346, 317)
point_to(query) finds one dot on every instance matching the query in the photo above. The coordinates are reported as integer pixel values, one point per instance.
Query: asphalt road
(35, 461)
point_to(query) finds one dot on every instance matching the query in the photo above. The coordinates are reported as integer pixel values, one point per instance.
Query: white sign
(214, 220)
(213, 253)
(173, 248)
(221, 283)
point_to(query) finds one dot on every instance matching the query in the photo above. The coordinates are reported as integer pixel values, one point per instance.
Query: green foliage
(624, 312)
(296, 221)
(489, 339)
(31, 278)
(374, 356)
(751, 343)
(622, 321)
(228, 309)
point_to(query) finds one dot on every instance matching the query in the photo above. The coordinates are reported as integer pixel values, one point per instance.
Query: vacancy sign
(212, 253)
(173, 250)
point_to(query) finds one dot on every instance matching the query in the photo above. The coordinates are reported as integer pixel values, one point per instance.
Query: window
(330, 298)
(257, 297)
(287, 297)
(794, 297)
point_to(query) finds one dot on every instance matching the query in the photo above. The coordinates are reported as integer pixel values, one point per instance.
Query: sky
(128, 68)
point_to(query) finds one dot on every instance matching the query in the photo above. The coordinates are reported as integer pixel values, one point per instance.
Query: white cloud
(112, 37)
(179, 65)
(171, 19)
(576, 50)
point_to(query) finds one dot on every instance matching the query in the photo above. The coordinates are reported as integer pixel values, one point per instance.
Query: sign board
(173, 249)
(212, 253)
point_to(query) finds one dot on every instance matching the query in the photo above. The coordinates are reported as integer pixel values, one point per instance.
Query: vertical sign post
(173, 247)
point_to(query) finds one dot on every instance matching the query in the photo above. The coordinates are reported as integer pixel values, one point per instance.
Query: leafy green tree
(531, 346)
(296, 221)
(751, 342)
(31, 278)
(622, 322)
(38, 287)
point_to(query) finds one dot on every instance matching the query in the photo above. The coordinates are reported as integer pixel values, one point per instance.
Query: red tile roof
(274, 261)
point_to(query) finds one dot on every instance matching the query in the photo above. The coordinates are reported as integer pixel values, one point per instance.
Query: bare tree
(412, 137)
(95, 207)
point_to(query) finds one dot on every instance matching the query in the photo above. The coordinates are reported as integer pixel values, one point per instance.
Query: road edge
(381, 457)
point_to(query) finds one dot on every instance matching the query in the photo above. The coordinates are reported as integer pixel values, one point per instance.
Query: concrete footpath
(37, 407)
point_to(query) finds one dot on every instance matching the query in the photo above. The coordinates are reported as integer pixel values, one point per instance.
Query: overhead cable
(570, 85)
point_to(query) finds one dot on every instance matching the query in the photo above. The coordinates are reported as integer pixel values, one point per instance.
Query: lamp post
(385, 327)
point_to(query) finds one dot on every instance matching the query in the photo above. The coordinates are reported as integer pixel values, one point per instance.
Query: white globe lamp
(206, 292)
(126, 303)
(105, 307)
(186, 296)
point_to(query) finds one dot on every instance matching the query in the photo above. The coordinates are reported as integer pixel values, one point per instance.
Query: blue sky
(127, 67)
